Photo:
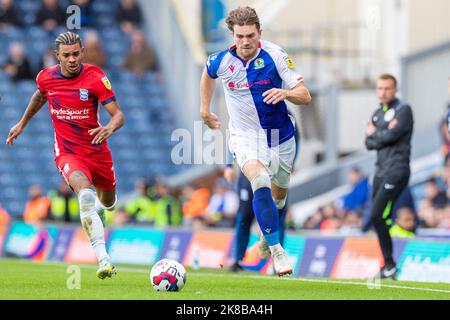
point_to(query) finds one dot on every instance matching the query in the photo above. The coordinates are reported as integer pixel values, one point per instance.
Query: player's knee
(280, 203)
(107, 204)
(86, 199)
(262, 180)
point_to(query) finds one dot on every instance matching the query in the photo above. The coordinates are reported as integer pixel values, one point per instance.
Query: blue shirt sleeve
(213, 64)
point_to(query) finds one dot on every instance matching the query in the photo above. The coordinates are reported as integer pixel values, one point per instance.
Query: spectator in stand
(351, 222)
(48, 59)
(8, 15)
(93, 51)
(141, 57)
(331, 219)
(194, 206)
(445, 221)
(87, 16)
(129, 15)
(444, 128)
(17, 65)
(139, 205)
(405, 224)
(4, 216)
(431, 209)
(50, 15)
(356, 199)
(222, 206)
(120, 217)
(37, 207)
(167, 208)
(314, 220)
(64, 204)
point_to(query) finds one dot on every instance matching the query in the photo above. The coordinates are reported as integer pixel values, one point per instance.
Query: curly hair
(242, 16)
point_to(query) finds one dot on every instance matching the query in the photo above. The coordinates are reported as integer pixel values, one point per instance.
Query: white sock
(99, 206)
(276, 247)
(91, 223)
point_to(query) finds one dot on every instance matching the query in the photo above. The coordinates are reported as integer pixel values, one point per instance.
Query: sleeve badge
(290, 63)
(106, 82)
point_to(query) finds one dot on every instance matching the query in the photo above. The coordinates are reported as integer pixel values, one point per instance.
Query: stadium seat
(139, 148)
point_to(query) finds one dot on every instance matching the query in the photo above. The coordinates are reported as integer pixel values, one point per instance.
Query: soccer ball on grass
(168, 275)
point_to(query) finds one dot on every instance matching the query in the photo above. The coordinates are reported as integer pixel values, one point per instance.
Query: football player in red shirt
(73, 91)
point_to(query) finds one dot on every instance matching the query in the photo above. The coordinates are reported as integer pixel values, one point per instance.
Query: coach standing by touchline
(389, 133)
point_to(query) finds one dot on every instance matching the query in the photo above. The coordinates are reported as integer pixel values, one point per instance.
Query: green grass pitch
(21, 279)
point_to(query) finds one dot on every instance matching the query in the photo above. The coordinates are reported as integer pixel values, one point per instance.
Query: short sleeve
(287, 70)
(103, 89)
(213, 64)
(40, 82)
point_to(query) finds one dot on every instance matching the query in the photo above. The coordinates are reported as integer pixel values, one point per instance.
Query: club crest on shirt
(106, 82)
(259, 63)
(84, 95)
(290, 63)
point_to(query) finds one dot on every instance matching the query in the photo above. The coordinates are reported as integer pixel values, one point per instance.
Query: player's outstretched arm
(117, 120)
(207, 86)
(36, 102)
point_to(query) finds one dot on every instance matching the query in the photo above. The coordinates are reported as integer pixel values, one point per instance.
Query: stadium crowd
(51, 17)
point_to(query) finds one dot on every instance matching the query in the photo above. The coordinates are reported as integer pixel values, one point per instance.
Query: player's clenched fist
(211, 120)
(101, 134)
(14, 133)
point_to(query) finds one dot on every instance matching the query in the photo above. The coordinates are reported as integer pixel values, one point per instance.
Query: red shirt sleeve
(40, 82)
(102, 88)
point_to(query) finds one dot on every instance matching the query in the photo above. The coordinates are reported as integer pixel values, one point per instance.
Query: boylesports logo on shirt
(69, 114)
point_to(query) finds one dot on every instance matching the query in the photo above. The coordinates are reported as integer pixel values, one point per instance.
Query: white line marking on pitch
(267, 277)
(326, 281)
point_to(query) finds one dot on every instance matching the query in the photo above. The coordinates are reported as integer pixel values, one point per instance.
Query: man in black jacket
(389, 132)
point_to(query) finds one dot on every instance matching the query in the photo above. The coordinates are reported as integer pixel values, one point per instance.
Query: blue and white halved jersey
(244, 83)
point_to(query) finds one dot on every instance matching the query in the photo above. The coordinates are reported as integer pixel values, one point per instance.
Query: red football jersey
(73, 104)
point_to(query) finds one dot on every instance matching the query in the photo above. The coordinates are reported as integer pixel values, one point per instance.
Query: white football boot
(281, 263)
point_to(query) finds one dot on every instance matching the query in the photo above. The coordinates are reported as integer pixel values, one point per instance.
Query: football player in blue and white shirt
(257, 77)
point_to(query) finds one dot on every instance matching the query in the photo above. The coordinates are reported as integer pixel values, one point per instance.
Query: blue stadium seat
(13, 34)
(141, 148)
(36, 33)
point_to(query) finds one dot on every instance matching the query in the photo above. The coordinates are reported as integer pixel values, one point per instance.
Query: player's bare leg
(91, 221)
(266, 213)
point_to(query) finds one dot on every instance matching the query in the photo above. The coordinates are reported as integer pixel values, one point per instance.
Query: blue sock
(266, 215)
(282, 224)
